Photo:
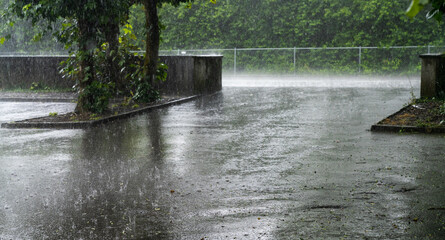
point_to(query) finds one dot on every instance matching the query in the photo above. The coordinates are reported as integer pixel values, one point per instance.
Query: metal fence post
(234, 62)
(295, 61)
(359, 59)
(429, 49)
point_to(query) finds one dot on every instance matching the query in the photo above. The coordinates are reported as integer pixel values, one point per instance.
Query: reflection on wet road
(269, 163)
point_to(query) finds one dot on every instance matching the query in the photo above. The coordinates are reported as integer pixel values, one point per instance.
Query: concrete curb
(92, 123)
(402, 128)
(378, 127)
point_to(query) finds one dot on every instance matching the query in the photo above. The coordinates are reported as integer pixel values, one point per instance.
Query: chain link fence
(338, 60)
(297, 61)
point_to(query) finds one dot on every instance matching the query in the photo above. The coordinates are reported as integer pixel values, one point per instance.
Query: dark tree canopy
(86, 25)
(89, 27)
(304, 23)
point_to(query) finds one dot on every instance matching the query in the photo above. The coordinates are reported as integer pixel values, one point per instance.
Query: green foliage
(84, 27)
(161, 72)
(267, 23)
(437, 8)
(144, 92)
(309, 23)
(53, 114)
(141, 90)
(20, 36)
(425, 124)
(442, 109)
(101, 89)
(88, 29)
(94, 117)
(415, 7)
(130, 67)
(97, 95)
(35, 86)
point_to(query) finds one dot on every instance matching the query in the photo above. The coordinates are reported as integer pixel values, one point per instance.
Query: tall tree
(152, 38)
(88, 24)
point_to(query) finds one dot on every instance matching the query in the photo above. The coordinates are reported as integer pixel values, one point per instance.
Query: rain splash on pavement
(253, 161)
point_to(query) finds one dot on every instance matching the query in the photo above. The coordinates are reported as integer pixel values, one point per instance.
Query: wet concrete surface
(252, 162)
(30, 96)
(15, 111)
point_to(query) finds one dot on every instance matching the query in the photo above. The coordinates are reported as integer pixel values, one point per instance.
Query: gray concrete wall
(432, 76)
(179, 76)
(187, 75)
(190, 75)
(207, 74)
(22, 71)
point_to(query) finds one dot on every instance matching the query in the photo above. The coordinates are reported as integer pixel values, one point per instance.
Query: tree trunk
(113, 69)
(86, 74)
(151, 41)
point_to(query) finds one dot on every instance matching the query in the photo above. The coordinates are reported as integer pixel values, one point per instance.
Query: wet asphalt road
(256, 162)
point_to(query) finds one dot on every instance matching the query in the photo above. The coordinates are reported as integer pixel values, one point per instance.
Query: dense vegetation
(23, 37)
(227, 24)
(288, 23)
(304, 23)
(100, 61)
(437, 8)
(276, 23)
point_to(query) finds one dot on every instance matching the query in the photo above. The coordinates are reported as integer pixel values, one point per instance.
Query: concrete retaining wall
(190, 75)
(432, 75)
(187, 75)
(22, 71)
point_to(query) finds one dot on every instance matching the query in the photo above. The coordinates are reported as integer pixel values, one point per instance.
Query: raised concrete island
(432, 75)
(187, 75)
